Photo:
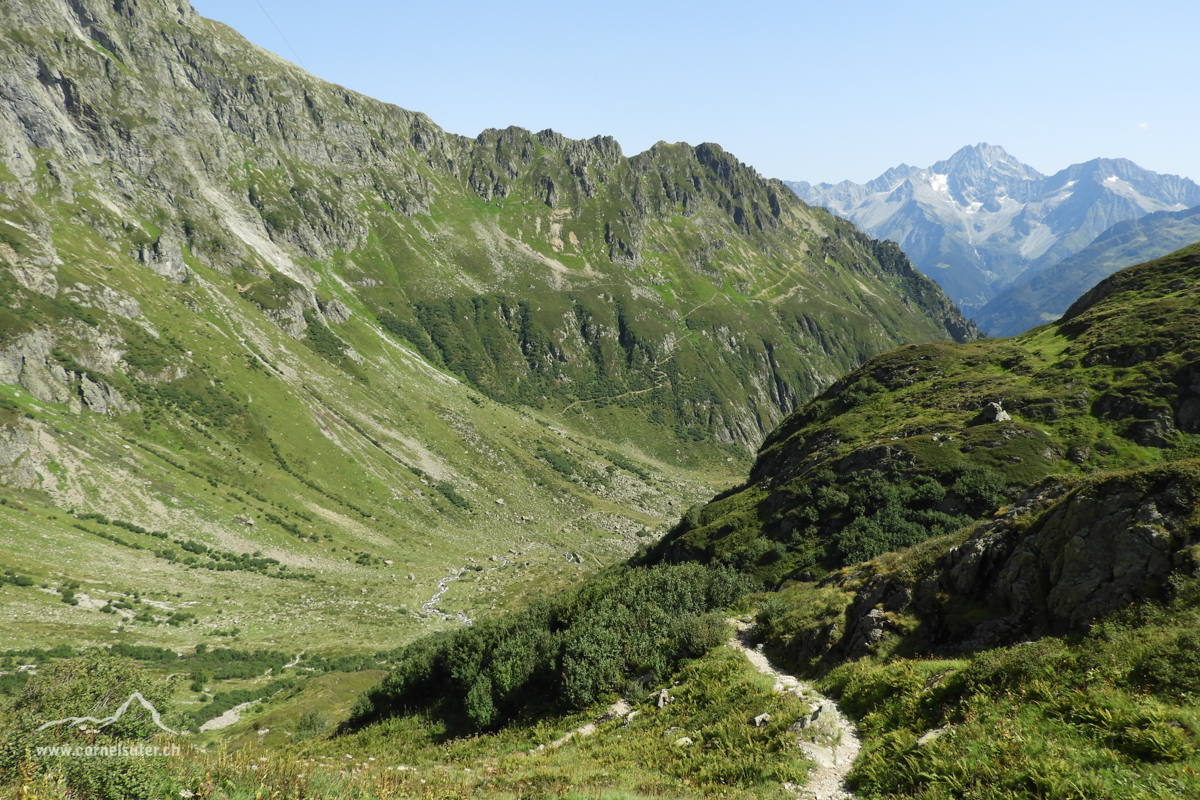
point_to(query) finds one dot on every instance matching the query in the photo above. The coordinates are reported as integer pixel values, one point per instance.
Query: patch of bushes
(414, 334)
(629, 465)
(447, 490)
(290, 527)
(565, 651)
(223, 701)
(68, 593)
(13, 682)
(92, 685)
(313, 722)
(828, 521)
(13, 579)
(37, 655)
(148, 653)
(352, 663)
(560, 462)
(325, 342)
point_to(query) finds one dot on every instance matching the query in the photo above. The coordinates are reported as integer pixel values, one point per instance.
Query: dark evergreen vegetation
(561, 653)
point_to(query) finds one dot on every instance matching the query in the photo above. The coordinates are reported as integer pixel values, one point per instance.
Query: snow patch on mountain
(981, 218)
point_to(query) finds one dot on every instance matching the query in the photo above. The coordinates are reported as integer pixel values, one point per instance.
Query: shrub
(313, 722)
(448, 491)
(980, 487)
(562, 652)
(561, 463)
(1173, 667)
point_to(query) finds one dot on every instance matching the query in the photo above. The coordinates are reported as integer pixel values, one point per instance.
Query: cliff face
(540, 269)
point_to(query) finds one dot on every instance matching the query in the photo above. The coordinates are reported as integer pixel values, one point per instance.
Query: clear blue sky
(816, 91)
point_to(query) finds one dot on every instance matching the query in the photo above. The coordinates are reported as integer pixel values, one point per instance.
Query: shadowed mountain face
(1044, 295)
(978, 220)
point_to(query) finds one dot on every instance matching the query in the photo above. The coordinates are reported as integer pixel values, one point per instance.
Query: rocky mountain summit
(981, 219)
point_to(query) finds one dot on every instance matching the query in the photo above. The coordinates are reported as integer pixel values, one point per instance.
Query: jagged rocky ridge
(539, 269)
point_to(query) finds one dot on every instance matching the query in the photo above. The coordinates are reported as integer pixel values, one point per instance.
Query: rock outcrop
(31, 362)
(1055, 563)
(23, 452)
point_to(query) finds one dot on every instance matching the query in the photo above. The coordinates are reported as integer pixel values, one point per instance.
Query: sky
(828, 91)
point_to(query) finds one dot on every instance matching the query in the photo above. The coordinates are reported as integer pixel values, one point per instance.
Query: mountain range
(389, 462)
(981, 219)
(1044, 296)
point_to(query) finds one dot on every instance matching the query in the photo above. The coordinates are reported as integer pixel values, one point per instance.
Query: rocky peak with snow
(976, 221)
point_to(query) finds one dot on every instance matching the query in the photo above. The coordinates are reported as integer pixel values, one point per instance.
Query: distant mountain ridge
(1043, 296)
(978, 220)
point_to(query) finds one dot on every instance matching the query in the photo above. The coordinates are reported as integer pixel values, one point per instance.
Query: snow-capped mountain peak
(977, 220)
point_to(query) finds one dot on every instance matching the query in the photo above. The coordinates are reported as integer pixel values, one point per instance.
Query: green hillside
(1006, 605)
(947, 568)
(906, 447)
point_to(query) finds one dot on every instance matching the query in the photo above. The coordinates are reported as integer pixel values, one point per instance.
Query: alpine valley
(345, 457)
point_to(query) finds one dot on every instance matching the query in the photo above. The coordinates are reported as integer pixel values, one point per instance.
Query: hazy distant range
(992, 231)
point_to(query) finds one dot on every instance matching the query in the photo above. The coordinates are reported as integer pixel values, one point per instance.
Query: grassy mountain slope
(1041, 297)
(540, 269)
(905, 447)
(1007, 605)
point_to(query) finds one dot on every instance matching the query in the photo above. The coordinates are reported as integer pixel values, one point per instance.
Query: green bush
(1171, 668)
(13, 578)
(564, 652)
(980, 487)
(448, 491)
(562, 463)
(313, 722)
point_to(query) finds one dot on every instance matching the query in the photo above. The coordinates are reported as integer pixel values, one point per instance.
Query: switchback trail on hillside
(837, 744)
